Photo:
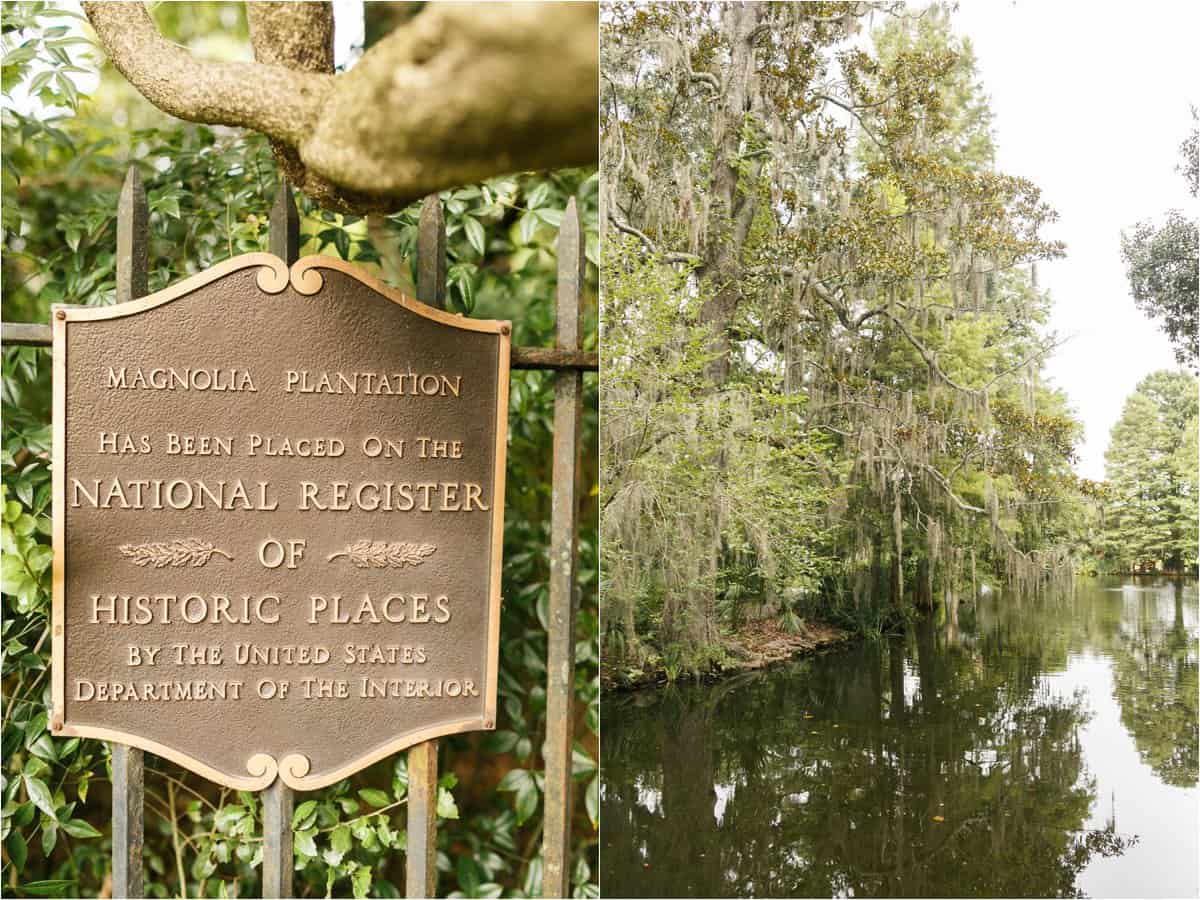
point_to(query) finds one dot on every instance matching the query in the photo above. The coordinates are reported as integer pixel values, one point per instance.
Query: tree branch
(295, 36)
(458, 94)
(925, 352)
(292, 35)
(279, 103)
(669, 257)
(857, 116)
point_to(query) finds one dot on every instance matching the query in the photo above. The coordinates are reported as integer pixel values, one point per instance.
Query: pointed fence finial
(284, 233)
(431, 253)
(133, 224)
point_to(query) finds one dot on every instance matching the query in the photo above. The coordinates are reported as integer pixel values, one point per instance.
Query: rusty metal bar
(420, 870)
(23, 334)
(278, 861)
(128, 778)
(128, 763)
(277, 864)
(560, 657)
(563, 360)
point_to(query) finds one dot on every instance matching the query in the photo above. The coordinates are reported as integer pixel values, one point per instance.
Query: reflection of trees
(969, 734)
(1155, 682)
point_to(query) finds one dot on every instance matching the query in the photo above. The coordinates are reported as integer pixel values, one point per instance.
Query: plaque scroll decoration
(278, 519)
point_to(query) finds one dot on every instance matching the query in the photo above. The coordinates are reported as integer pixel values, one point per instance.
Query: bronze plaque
(278, 515)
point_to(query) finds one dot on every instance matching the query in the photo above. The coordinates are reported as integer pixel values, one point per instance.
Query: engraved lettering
(170, 379)
(170, 691)
(393, 608)
(374, 447)
(191, 609)
(204, 445)
(121, 444)
(177, 494)
(392, 496)
(410, 384)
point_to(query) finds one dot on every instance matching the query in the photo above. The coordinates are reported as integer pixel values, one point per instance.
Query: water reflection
(1034, 747)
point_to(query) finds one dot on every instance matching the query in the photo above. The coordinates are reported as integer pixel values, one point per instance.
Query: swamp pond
(1039, 746)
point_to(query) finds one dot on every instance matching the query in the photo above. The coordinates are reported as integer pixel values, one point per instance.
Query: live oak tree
(1162, 263)
(458, 93)
(868, 426)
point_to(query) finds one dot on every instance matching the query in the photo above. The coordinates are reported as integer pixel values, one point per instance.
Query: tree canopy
(831, 401)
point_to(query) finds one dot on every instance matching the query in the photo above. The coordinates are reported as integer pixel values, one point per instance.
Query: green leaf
(475, 235)
(503, 741)
(302, 812)
(526, 802)
(228, 816)
(527, 226)
(539, 195)
(305, 842)
(341, 839)
(592, 800)
(446, 807)
(12, 573)
(514, 780)
(59, 887)
(49, 837)
(360, 881)
(374, 797)
(18, 850)
(18, 55)
(552, 217)
(40, 795)
(80, 829)
(44, 748)
(581, 763)
(469, 874)
(341, 240)
(24, 815)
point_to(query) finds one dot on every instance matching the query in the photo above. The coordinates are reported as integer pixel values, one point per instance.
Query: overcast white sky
(1091, 103)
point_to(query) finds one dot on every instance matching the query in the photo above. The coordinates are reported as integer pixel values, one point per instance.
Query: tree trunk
(733, 202)
(724, 241)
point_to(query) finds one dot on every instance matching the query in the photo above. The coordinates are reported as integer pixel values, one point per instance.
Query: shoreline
(758, 645)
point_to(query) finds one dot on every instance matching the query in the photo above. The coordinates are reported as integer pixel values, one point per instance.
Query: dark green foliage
(1161, 263)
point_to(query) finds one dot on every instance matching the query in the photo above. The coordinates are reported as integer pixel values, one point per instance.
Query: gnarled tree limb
(460, 93)
(297, 35)
(279, 103)
(667, 257)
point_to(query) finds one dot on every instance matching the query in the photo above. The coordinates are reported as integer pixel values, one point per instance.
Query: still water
(1038, 747)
